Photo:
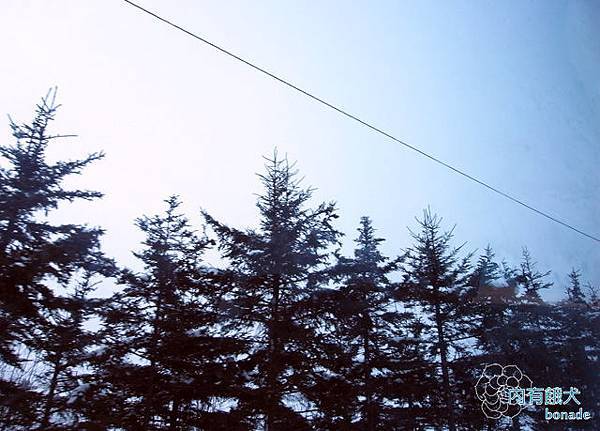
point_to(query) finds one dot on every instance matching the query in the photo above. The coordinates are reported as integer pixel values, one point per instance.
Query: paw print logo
(494, 386)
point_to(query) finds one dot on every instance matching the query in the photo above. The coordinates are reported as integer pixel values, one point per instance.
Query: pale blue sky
(508, 91)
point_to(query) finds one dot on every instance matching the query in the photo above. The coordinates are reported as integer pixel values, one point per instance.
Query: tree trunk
(150, 392)
(448, 398)
(369, 407)
(272, 367)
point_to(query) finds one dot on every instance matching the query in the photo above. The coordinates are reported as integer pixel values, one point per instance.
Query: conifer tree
(61, 342)
(278, 284)
(436, 282)
(526, 334)
(367, 327)
(162, 364)
(574, 292)
(594, 298)
(493, 316)
(532, 280)
(35, 253)
(487, 271)
(578, 348)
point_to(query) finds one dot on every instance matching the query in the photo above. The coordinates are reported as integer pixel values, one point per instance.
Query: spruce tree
(493, 317)
(61, 343)
(594, 297)
(577, 346)
(532, 280)
(574, 292)
(278, 288)
(526, 335)
(162, 363)
(366, 328)
(437, 283)
(487, 271)
(35, 254)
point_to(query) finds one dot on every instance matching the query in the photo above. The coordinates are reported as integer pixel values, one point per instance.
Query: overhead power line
(364, 123)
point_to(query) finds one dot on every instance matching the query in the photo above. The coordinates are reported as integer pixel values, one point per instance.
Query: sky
(506, 91)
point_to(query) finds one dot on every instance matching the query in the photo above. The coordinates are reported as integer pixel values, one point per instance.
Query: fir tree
(524, 333)
(367, 328)
(494, 312)
(34, 253)
(278, 285)
(436, 283)
(574, 292)
(61, 344)
(532, 280)
(577, 346)
(594, 298)
(487, 271)
(161, 361)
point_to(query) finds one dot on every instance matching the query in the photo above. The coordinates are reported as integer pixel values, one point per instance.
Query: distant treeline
(287, 334)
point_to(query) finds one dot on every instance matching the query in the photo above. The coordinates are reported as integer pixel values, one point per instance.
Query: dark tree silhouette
(277, 275)
(436, 282)
(35, 252)
(287, 334)
(161, 361)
